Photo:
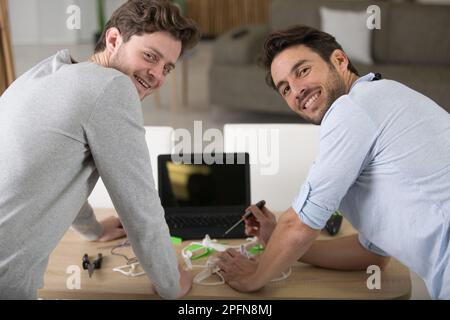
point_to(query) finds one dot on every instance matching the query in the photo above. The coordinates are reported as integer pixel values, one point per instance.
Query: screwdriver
(247, 213)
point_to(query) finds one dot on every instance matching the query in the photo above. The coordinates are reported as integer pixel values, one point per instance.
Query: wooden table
(305, 282)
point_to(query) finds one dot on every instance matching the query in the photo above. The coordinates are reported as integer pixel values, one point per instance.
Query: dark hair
(318, 41)
(136, 17)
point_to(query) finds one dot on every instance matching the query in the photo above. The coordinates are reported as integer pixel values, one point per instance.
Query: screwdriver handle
(247, 214)
(259, 204)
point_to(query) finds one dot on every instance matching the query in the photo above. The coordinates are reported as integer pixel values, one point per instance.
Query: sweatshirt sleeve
(116, 139)
(86, 223)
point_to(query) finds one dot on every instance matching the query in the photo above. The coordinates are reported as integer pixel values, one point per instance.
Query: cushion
(351, 32)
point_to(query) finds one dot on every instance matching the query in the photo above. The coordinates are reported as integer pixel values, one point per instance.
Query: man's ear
(113, 40)
(339, 59)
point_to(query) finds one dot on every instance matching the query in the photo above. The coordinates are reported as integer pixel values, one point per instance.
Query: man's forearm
(344, 253)
(289, 241)
(86, 223)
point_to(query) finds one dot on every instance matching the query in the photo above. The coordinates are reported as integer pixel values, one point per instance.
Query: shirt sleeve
(346, 138)
(86, 223)
(116, 139)
(370, 246)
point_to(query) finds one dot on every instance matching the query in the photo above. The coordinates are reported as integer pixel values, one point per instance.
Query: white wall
(44, 21)
(24, 20)
(277, 168)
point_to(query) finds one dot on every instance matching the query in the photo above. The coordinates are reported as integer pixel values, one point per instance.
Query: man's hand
(185, 281)
(112, 229)
(237, 269)
(261, 224)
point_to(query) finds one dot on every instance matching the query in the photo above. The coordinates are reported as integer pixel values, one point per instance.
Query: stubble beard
(336, 89)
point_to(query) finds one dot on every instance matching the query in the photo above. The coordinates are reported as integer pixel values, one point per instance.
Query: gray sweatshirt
(61, 126)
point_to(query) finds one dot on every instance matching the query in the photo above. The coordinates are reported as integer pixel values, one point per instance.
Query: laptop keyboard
(181, 222)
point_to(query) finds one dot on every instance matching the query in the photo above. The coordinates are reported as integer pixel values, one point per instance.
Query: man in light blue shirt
(384, 161)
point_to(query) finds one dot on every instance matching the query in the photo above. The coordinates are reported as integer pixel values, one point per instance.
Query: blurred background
(411, 45)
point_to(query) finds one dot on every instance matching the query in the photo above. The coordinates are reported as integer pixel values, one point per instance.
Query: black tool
(377, 76)
(90, 267)
(247, 214)
(334, 223)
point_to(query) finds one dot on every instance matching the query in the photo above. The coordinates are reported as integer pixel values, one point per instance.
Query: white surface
(159, 141)
(351, 32)
(280, 157)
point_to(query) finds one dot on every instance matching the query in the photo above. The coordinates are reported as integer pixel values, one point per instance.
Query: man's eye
(285, 91)
(167, 70)
(302, 72)
(151, 57)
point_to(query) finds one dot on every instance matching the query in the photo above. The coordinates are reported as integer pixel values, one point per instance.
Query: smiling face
(147, 59)
(306, 82)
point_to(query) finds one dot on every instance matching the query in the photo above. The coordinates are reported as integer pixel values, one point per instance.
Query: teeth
(311, 100)
(142, 82)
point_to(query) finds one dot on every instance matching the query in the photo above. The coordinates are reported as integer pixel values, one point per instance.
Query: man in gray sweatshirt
(63, 124)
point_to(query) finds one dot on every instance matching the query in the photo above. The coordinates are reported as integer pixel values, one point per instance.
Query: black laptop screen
(197, 185)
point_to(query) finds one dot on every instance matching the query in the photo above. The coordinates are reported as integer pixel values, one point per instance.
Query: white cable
(284, 275)
(129, 270)
(211, 267)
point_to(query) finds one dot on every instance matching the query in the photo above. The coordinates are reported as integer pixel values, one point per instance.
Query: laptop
(201, 196)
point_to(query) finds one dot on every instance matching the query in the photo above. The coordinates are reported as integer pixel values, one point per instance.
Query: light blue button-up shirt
(384, 161)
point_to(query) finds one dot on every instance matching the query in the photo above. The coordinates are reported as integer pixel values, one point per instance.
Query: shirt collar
(367, 77)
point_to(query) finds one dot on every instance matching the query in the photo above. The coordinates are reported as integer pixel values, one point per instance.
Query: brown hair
(136, 17)
(318, 41)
